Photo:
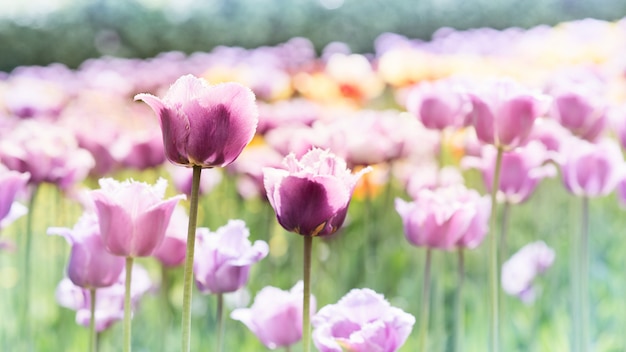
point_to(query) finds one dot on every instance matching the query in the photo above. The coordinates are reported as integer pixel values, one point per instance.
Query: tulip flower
(223, 258)
(11, 184)
(204, 125)
(519, 272)
(361, 321)
(90, 265)
(503, 112)
(133, 215)
(275, 317)
(311, 196)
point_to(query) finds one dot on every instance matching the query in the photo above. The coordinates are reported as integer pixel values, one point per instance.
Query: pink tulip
(90, 264)
(204, 125)
(173, 249)
(519, 272)
(503, 112)
(592, 170)
(133, 216)
(275, 317)
(311, 196)
(362, 321)
(445, 218)
(223, 259)
(11, 184)
(109, 300)
(522, 169)
(440, 104)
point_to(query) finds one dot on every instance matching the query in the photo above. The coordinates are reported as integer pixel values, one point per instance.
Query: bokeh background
(39, 32)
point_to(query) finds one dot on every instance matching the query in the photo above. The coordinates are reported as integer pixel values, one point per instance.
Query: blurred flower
(90, 264)
(11, 184)
(431, 176)
(54, 158)
(204, 125)
(109, 300)
(298, 139)
(445, 218)
(439, 105)
(275, 317)
(550, 133)
(592, 170)
(311, 196)
(34, 97)
(248, 169)
(183, 177)
(503, 112)
(354, 75)
(171, 252)
(222, 259)
(519, 272)
(294, 112)
(522, 169)
(362, 321)
(133, 216)
(140, 151)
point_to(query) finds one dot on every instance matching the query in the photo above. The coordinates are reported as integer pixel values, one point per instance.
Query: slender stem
(24, 316)
(575, 277)
(306, 311)
(584, 275)
(93, 347)
(220, 321)
(459, 311)
(502, 255)
(288, 348)
(494, 277)
(127, 308)
(188, 278)
(423, 336)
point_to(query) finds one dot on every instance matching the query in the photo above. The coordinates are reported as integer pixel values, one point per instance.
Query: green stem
(24, 316)
(459, 311)
(576, 320)
(502, 255)
(423, 336)
(127, 305)
(306, 298)
(93, 347)
(188, 278)
(494, 326)
(584, 275)
(220, 321)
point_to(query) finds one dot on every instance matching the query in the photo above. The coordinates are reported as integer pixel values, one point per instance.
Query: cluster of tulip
(282, 129)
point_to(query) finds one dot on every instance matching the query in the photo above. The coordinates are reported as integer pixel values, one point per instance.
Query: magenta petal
(516, 121)
(150, 228)
(307, 204)
(483, 120)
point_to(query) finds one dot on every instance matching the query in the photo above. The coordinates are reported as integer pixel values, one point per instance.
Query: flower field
(465, 193)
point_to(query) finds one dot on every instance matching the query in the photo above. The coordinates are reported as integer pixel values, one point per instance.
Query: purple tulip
(519, 272)
(445, 218)
(503, 113)
(54, 158)
(133, 216)
(592, 170)
(204, 125)
(522, 169)
(11, 184)
(439, 105)
(275, 317)
(222, 259)
(362, 321)
(312, 195)
(90, 265)
(109, 300)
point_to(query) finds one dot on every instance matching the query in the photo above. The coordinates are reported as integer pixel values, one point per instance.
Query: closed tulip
(203, 125)
(311, 196)
(90, 264)
(275, 317)
(133, 216)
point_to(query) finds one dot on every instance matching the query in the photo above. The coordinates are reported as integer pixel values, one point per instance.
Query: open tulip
(361, 321)
(204, 125)
(223, 259)
(311, 196)
(133, 216)
(519, 272)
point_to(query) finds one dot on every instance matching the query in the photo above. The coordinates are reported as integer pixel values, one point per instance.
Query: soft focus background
(70, 31)
(41, 32)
